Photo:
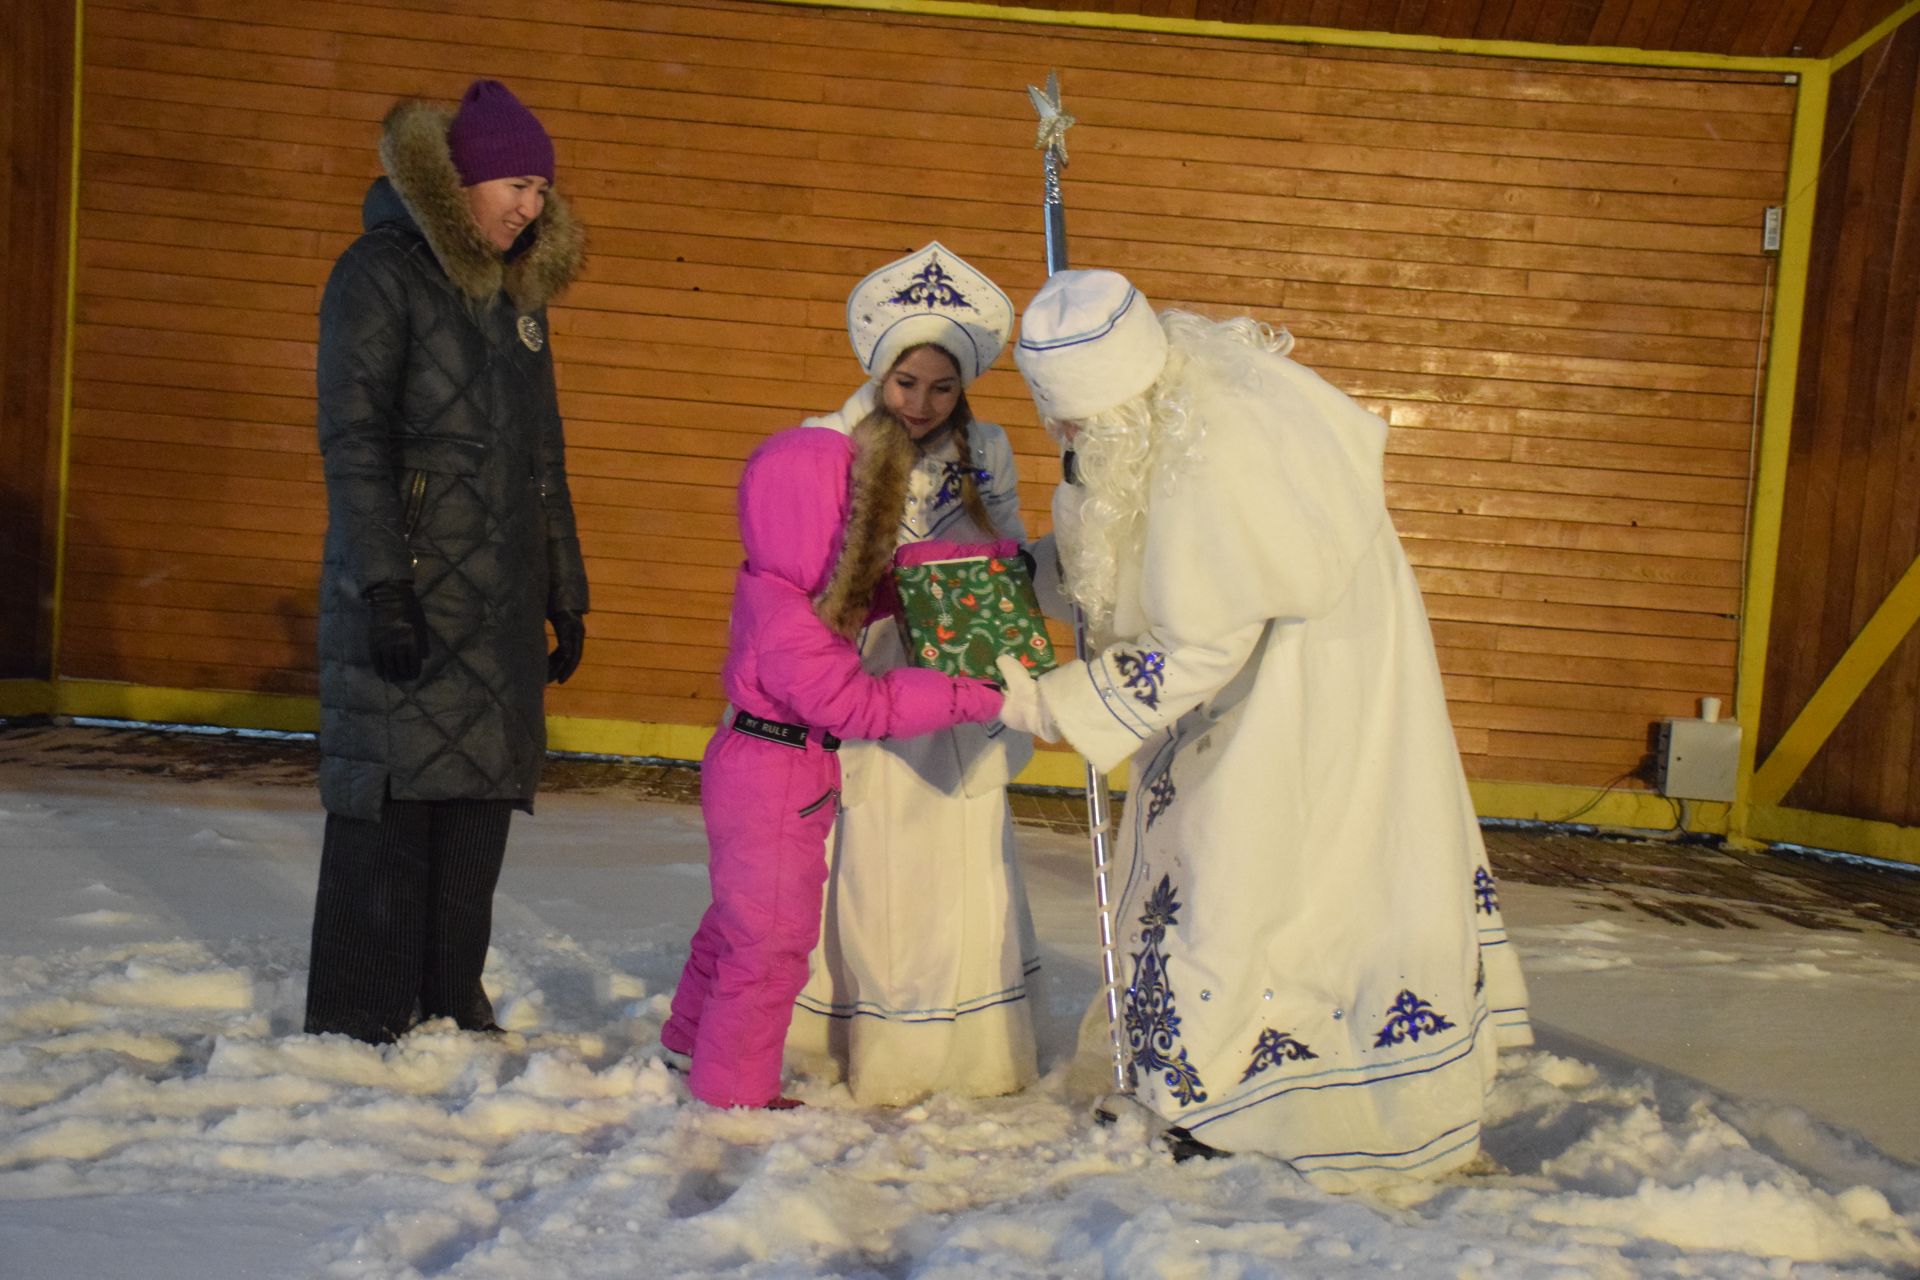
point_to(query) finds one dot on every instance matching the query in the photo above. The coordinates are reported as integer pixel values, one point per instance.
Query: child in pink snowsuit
(770, 780)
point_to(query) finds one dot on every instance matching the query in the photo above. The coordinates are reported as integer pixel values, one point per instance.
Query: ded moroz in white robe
(1316, 962)
(922, 979)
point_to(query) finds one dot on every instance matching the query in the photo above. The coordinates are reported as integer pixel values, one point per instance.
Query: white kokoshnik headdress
(931, 296)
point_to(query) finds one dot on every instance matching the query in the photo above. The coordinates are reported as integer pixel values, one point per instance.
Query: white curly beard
(1123, 452)
(1103, 520)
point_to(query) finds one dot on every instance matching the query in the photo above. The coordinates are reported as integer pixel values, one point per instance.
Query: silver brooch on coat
(530, 333)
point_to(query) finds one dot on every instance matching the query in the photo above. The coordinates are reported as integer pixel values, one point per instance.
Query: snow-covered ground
(1701, 1104)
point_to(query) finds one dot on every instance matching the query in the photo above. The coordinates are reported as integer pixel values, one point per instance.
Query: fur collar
(883, 460)
(413, 148)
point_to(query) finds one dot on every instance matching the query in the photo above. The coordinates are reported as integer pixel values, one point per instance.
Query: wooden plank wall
(1851, 523)
(1547, 276)
(36, 126)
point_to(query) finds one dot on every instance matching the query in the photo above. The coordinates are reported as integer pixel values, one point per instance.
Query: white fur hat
(1088, 342)
(929, 296)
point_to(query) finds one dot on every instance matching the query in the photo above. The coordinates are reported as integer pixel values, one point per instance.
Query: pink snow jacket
(783, 662)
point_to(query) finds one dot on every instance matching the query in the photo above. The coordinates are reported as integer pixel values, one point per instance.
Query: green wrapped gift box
(960, 615)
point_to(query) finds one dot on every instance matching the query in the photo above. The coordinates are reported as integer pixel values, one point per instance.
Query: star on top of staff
(1054, 122)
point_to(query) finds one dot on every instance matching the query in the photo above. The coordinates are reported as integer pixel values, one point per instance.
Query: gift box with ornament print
(960, 615)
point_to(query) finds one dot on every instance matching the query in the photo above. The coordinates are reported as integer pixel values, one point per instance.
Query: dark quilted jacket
(445, 467)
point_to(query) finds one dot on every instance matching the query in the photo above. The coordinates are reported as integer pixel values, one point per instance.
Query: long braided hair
(970, 500)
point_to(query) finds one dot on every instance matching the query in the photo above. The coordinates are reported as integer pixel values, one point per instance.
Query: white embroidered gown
(922, 979)
(1310, 933)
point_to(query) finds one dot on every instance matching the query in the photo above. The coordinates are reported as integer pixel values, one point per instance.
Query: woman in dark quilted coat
(450, 545)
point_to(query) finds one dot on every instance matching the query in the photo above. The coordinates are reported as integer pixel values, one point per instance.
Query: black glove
(569, 641)
(396, 630)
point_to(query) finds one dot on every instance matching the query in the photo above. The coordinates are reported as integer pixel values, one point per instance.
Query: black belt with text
(787, 735)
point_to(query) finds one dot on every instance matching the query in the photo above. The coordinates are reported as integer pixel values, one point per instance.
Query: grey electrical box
(1696, 759)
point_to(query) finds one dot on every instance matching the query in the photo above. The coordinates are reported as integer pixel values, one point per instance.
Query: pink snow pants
(768, 809)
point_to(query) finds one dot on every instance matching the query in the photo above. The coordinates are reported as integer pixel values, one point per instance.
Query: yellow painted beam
(1834, 832)
(1767, 785)
(1843, 686)
(1885, 28)
(26, 698)
(115, 700)
(69, 322)
(1622, 808)
(1278, 34)
(1625, 808)
(1065, 769)
(1776, 426)
(628, 738)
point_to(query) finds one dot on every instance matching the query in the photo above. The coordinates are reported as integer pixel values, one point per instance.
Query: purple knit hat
(493, 135)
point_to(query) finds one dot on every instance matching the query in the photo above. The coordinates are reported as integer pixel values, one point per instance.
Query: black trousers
(403, 916)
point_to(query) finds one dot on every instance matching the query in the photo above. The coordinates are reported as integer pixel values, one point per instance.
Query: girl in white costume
(922, 979)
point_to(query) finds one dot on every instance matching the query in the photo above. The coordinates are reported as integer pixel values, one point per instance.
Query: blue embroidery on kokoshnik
(1160, 797)
(1486, 896)
(1409, 1019)
(1272, 1049)
(1152, 1021)
(1143, 672)
(931, 287)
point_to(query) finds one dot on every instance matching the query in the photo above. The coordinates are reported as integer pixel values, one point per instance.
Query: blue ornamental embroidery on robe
(1486, 897)
(949, 490)
(1160, 798)
(1143, 672)
(1272, 1049)
(931, 286)
(1409, 1019)
(1152, 1022)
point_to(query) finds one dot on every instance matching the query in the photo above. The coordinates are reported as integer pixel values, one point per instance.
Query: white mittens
(1025, 709)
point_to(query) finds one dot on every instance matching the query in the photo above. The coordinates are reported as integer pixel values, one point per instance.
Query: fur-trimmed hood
(419, 165)
(883, 458)
(819, 512)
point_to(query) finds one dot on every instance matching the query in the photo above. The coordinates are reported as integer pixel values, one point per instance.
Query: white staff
(1052, 141)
